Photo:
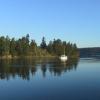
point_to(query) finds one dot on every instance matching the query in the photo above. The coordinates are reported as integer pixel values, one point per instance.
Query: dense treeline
(58, 47)
(26, 47)
(90, 52)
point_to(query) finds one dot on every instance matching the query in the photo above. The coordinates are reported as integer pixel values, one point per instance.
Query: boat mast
(64, 50)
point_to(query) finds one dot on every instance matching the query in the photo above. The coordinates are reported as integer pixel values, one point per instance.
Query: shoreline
(31, 57)
(27, 57)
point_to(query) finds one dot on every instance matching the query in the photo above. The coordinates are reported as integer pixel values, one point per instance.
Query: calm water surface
(51, 79)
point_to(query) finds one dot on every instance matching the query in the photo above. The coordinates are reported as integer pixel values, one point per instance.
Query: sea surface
(50, 79)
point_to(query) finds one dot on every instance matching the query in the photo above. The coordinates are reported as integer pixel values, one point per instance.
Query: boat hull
(64, 58)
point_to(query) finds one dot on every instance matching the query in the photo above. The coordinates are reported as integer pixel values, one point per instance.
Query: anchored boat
(64, 57)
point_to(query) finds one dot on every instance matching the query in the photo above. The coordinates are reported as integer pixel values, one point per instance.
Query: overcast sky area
(77, 21)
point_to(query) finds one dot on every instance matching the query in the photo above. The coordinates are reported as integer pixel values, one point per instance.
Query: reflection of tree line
(25, 68)
(59, 68)
(13, 68)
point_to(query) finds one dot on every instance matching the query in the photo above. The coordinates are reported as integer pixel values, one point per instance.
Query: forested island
(24, 47)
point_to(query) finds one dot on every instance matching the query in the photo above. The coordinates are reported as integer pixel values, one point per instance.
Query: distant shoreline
(31, 57)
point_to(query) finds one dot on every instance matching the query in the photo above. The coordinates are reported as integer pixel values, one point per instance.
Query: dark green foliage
(33, 48)
(4, 46)
(43, 44)
(24, 47)
(58, 47)
(13, 51)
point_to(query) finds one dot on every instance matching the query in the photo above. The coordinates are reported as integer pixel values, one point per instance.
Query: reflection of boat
(63, 57)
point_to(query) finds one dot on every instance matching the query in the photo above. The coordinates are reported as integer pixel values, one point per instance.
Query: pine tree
(43, 43)
(13, 47)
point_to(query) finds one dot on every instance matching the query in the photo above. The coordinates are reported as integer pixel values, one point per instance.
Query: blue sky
(77, 21)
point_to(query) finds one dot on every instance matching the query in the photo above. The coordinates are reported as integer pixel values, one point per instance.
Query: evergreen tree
(43, 43)
(2, 45)
(33, 48)
(19, 47)
(13, 47)
(50, 48)
(7, 45)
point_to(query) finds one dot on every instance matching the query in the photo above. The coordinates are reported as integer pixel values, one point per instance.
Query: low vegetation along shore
(24, 47)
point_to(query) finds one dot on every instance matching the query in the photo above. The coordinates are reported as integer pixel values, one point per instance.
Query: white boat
(63, 58)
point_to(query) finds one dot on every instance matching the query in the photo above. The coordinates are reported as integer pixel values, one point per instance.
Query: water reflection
(25, 68)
